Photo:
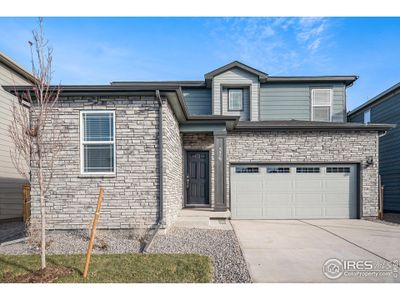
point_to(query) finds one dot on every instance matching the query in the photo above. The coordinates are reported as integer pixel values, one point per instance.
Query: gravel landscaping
(221, 245)
(74, 242)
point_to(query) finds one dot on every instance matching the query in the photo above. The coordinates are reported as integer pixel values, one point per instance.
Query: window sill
(97, 176)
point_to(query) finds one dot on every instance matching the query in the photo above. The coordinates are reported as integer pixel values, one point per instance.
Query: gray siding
(359, 118)
(11, 201)
(198, 101)
(293, 101)
(388, 111)
(239, 77)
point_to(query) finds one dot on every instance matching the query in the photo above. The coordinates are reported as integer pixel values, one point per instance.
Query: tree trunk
(42, 209)
(43, 235)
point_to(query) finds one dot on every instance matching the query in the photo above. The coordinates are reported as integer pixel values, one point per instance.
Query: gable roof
(236, 64)
(16, 68)
(380, 97)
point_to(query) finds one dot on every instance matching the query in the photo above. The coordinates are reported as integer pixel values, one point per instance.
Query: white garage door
(293, 191)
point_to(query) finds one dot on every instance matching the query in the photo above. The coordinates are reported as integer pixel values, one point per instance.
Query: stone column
(219, 170)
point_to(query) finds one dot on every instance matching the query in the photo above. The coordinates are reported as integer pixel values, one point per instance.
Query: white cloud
(268, 31)
(314, 45)
(311, 31)
(276, 45)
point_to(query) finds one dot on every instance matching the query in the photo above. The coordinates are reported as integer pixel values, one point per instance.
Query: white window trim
(369, 112)
(229, 97)
(330, 102)
(82, 142)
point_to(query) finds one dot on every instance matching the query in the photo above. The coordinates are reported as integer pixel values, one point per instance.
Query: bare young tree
(36, 144)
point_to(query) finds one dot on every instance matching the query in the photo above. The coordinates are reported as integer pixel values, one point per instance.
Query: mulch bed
(47, 275)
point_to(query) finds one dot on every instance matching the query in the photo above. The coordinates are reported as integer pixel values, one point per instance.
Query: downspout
(161, 160)
(160, 217)
(380, 187)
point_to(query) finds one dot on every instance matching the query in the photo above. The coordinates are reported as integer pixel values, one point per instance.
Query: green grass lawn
(130, 267)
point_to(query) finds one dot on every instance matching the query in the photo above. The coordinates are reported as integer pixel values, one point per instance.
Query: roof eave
(345, 126)
(347, 80)
(393, 89)
(17, 68)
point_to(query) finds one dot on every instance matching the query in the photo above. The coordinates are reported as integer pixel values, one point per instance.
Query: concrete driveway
(296, 250)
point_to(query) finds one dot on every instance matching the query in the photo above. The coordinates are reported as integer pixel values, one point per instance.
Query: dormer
(235, 90)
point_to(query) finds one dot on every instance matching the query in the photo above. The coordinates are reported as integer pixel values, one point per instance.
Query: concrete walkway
(296, 250)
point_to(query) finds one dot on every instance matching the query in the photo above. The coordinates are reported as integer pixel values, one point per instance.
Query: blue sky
(100, 50)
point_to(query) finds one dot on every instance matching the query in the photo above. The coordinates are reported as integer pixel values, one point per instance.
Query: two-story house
(385, 108)
(240, 141)
(11, 181)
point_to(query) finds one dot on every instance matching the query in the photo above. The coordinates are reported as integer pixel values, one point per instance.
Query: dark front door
(197, 178)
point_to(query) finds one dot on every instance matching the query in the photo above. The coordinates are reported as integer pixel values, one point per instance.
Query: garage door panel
(339, 198)
(308, 198)
(340, 212)
(278, 198)
(249, 213)
(307, 184)
(338, 183)
(249, 203)
(278, 185)
(279, 212)
(308, 212)
(265, 195)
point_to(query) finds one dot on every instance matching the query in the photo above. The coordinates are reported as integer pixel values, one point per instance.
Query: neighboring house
(385, 108)
(11, 182)
(259, 146)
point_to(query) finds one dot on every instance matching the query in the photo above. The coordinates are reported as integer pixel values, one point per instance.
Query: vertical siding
(11, 201)
(388, 111)
(236, 76)
(198, 101)
(288, 101)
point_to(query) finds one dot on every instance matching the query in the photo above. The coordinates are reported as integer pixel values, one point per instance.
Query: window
(307, 170)
(338, 170)
(235, 99)
(367, 116)
(321, 104)
(97, 142)
(272, 170)
(246, 170)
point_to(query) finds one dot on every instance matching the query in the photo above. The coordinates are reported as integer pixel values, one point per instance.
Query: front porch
(204, 179)
(203, 218)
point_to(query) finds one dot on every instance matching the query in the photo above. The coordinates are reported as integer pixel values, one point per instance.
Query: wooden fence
(27, 203)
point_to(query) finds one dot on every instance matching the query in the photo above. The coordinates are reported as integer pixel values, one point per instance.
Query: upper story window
(321, 108)
(367, 116)
(97, 142)
(235, 99)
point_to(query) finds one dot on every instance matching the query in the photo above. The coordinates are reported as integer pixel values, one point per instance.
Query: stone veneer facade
(173, 166)
(311, 146)
(131, 197)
